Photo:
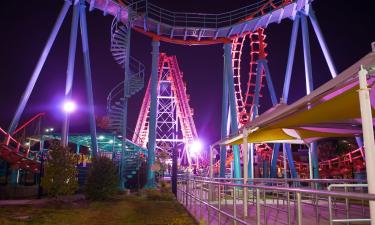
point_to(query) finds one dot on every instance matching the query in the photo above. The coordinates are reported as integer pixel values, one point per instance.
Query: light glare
(69, 106)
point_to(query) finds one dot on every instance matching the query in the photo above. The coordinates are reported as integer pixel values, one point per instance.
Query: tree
(102, 180)
(60, 177)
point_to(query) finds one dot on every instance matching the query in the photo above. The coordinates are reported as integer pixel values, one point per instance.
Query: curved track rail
(199, 28)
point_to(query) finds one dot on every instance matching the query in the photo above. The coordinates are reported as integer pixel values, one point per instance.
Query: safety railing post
(288, 206)
(219, 204)
(258, 206)
(299, 209)
(234, 205)
(187, 193)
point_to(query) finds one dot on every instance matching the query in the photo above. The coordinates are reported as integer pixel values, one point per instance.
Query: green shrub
(60, 173)
(102, 179)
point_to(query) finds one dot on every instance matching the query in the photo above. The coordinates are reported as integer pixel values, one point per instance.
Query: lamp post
(174, 168)
(195, 150)
(68, 107)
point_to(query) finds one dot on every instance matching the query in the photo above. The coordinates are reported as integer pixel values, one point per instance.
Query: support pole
(257, 90)
(125, 104)
(275, 154)
(224, 121)
(153, 110)
(89, 92)
(271, 89)
(288, 150)
(292, 50)
(314, 160)
(232, 105)
(359, 141)
(251, 161)
(70, 71)
(211, 162)
(322, 43)
(309, 86)
(39, 66)
(368, 136)
(307, 55)
(245, 158)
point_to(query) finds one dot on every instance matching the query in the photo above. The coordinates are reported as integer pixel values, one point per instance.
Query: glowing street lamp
(195, 150)
(68, 107)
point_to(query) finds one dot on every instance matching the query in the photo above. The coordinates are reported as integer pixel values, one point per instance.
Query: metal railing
(219, 201)
(347, 188)
(205, 20)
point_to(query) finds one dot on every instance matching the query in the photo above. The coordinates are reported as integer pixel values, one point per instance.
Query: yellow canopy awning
(336, 102)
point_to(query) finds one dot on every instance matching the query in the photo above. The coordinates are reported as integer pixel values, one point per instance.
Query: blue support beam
(359, 141)
(307, 55)
(251, 161)
(289, 154)
(309, 85)
(322, 42)
(42, 59)
(271, 89)
(87, 66)
(257, 90)
(152, 121)
(232, 106)
(292, 50)
(70, 71)
(224, 121)
(275, 155)
(314, 160)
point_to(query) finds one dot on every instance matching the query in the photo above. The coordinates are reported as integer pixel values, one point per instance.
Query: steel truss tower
(174, 117)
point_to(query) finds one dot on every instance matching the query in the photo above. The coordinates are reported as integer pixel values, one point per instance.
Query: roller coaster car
(16, 160)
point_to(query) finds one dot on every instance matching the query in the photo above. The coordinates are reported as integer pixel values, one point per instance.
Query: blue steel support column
(284, 97)
(257, 90)
(232, 106)
(152, 123)
(271, 89)
(307, 55)
(309, 84)
(359, 141)
(125, 104)
(292, 50)
(86, 59)
(322, 43)
(251, 161)
(42, 59)
(224, 121)
(314, 160)
(275, 154)
(70, 71)
(289, 154)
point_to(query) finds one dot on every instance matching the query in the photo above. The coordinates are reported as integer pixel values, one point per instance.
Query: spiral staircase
(119, 95)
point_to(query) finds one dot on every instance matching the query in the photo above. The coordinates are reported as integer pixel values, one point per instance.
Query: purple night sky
(348, 28)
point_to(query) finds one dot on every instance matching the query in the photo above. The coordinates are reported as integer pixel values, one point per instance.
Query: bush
(60, 176)
(102, 179)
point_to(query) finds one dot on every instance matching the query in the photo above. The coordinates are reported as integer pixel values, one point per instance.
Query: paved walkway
(38, 201)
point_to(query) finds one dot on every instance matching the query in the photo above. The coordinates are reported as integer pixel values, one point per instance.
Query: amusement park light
(196, 147)
(111, 141)
(69, 106)
(101, 137)
(47, 130)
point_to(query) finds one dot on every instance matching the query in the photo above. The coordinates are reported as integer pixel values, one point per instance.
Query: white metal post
(211, 162)
(368, 136)
(245, 159)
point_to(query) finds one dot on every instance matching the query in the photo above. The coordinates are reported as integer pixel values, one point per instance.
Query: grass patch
(123, 210)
